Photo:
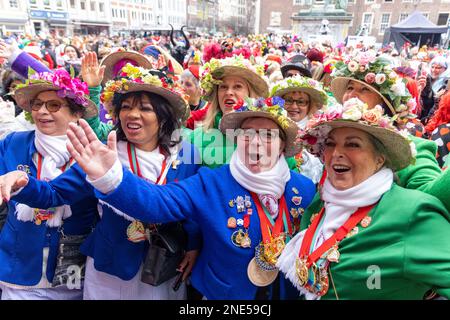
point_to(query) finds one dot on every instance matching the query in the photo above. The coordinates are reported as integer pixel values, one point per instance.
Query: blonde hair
(214, 107)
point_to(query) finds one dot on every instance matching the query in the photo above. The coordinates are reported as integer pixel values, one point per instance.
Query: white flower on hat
(392, 75)
(399, 88)
(353, 66)
(380, 78)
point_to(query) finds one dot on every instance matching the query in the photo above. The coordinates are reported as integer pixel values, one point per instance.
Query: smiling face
(139, 122)
(230, 91)
(71, 53)
(53, 123)
(350, 157)
(363, 93)
(259, 145)
(297, 105)
(436, 70)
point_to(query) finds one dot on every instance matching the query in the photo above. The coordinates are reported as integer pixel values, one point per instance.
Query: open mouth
(340, 169)
(133, 126)
(254, 157)
(229, 103)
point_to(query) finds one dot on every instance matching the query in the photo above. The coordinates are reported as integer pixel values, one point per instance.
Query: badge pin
(240, 204)
(240, 222)
(246, 242)
(366, 221)
(294, 213)
(352, 232)
(247, 201)
(231, 223)
(249, 211)
(297, 200)
(295, 190)
(175, 164)
(231, 203)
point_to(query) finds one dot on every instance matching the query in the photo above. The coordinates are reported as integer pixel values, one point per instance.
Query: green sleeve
(426, 175)
(427, 249)
(101, 129)
(447, 163)
(292, 164)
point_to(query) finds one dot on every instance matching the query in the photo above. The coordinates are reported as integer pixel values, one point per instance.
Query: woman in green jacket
(373, 81)
(226, 83)
(365, 237)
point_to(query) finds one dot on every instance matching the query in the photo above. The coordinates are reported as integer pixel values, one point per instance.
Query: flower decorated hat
(216, 69)
(379, 76)
(270, 108)
(65, 85)
(134, 79)
(115, 61)
(309, 86)
(356, 114)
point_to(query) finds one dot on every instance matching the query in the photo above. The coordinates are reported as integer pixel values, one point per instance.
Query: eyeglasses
(265, 135)
(51, 105)
(299, 102)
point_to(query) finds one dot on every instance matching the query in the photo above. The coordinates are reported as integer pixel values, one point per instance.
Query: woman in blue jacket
(148, 115)
(246, 210)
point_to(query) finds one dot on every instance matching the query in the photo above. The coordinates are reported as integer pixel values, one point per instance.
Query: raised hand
(92, 156)
(11, 182)
(91, 72)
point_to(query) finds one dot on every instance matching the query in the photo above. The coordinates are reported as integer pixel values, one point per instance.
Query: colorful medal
(136, 232)
(260, 277)
(366, 221)
(231, 223)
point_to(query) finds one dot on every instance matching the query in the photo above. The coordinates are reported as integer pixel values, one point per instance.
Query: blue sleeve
(67, 189)
(156, 203)
(23, 61)
(3, 145)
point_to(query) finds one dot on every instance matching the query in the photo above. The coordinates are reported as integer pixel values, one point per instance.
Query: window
(59, 4)
(92, 6)
(370, 1)
(83, 4)
(442, 19)
(298, 2)
(72, 4)
(46, 2)
(101, 7)
(13, 4)
(367, 21)
(384, 23)
(275, 18)
(32, 2)
(403, 16)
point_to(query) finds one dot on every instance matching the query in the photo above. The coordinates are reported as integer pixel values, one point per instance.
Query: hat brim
(314, 95)
(339, 87)
(111, 59)
(24, 96)
(305, 72)
(259, 85)
(397, 147)
(176, 101)
(234, 120)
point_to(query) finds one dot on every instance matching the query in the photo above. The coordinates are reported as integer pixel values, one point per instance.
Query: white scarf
(150, 165)
(339, 206)
(268, 185)
(55, 155)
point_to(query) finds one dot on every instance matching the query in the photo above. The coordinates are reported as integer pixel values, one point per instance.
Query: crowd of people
(245, 167)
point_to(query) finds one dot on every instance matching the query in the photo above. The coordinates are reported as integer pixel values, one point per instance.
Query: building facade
(48, 16)
(89, 16)
(13, 17)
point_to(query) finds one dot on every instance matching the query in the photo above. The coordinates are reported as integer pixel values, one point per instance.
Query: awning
(10, 21)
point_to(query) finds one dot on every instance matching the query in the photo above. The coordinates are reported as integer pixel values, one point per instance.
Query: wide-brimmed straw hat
(215, 70)
(400, 150)
(61, 82)
(378, 75)
(112, 59)
(298, 83)
(153, 81)
(270, 108)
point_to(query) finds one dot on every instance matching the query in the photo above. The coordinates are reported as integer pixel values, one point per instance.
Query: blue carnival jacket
(221, 269)
(22, 243)
(108, 245)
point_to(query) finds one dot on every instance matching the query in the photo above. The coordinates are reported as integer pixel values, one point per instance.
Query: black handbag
(70, 262)
(167, 248)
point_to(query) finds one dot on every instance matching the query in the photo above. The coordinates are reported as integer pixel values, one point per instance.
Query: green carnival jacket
(403, 253)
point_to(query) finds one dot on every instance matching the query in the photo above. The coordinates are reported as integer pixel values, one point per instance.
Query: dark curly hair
(165, 114)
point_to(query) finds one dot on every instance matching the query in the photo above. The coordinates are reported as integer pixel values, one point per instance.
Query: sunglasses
(51, 105)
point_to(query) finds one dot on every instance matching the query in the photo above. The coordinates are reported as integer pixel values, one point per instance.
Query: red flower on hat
(239, 104)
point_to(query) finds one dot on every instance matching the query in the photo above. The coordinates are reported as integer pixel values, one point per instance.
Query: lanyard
(134, 164)
(340, 234)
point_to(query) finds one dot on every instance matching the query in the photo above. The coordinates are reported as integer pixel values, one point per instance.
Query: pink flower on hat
(370, 77)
